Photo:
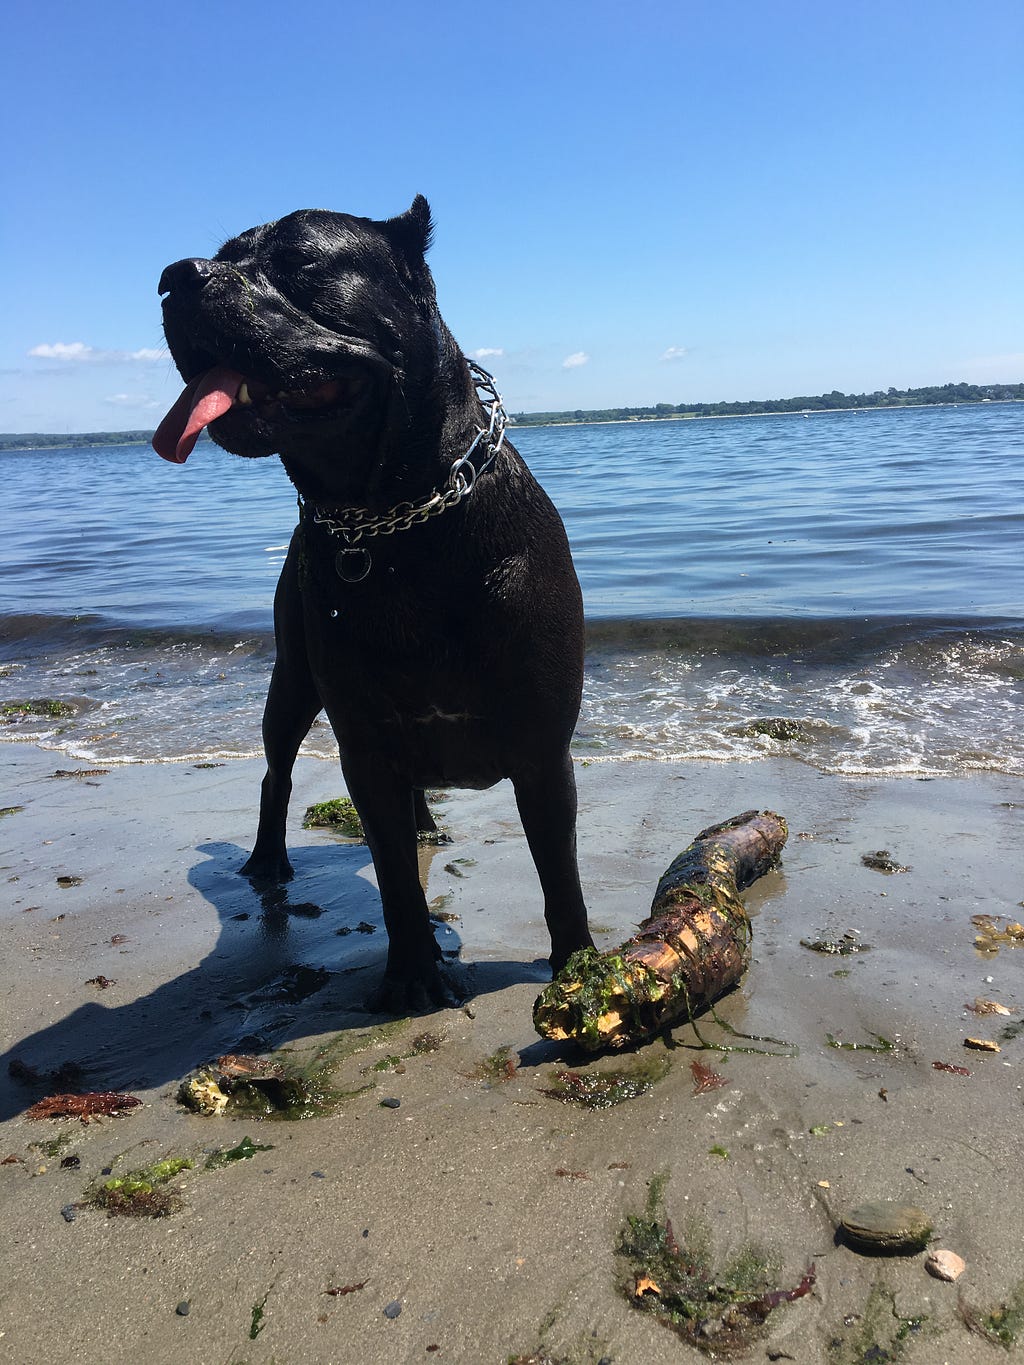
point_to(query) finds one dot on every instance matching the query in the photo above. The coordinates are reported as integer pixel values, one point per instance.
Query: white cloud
(574, 361)
(487, 352)
(132, 400)
(675, 353)
(62, 350)
(77, 351)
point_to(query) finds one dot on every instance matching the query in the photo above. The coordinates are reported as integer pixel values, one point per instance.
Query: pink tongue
(202, 402)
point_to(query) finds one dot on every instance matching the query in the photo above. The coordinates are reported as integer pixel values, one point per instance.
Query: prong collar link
(353, 524)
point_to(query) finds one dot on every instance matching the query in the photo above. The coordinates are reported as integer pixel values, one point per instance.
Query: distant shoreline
(88, 440)
(740, 416)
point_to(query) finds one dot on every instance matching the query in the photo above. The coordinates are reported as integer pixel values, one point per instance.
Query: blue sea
(858, 573)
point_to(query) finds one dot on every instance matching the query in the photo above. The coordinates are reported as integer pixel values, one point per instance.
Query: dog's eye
(292, 261)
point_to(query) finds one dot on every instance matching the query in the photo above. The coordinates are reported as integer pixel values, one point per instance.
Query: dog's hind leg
(424, 820)
(546, 799)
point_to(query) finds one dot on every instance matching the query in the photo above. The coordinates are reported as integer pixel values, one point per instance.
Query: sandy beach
(482, 1214)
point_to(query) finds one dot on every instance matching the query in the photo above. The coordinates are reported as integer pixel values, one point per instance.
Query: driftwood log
(692, 949)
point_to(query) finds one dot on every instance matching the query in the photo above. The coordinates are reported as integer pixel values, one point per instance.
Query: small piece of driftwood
(692, 949)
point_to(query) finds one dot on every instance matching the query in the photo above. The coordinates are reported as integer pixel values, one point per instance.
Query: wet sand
(486, 1211)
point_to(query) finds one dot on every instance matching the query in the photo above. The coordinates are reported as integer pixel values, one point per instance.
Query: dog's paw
(422, 994)
(267, 869)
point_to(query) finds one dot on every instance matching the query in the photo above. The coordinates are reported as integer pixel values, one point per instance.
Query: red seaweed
(82, 1107)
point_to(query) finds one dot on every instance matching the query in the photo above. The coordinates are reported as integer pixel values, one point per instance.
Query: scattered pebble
(68, 1213)
(183, 1309)
(945, 1265)
(393, 1309)
(391, 1103)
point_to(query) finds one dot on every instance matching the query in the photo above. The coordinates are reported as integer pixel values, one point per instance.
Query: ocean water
(859, 575)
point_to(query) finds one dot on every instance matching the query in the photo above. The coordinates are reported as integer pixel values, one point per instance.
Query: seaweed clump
(338, 814)
(718, 1310)
(604, 1089)
(144, 1193)
(260, 1087)
(84, 1107)
(13, 711)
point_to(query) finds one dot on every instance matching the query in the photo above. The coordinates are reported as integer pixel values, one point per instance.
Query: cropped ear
(411, 231)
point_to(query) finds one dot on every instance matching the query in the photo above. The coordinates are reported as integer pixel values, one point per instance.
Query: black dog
(428, 602)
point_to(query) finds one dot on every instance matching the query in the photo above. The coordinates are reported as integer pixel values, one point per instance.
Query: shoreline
(610, 422)
(488, 1212)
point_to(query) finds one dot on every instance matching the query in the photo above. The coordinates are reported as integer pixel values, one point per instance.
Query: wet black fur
(458, 660)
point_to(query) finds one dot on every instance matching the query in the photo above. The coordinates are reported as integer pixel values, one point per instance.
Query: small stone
(945, 1265)
(68, 1213)
(183, 1309)
(887, 1228)
(391, 1103)
(393, 1309)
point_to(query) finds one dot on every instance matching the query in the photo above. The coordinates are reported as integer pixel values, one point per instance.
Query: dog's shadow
(289, 962)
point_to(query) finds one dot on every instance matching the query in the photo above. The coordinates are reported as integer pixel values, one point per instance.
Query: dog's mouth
(220, 389)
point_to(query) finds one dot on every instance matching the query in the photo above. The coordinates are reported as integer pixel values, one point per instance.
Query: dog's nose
(189, 274)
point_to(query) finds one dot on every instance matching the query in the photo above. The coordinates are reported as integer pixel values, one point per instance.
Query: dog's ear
(411, 231)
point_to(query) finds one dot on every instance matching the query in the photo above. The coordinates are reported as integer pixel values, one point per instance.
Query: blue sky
(634, 203)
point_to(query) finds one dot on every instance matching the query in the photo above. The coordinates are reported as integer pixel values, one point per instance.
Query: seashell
(886, 1228)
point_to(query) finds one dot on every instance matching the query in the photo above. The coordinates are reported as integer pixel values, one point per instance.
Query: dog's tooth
(243, 397)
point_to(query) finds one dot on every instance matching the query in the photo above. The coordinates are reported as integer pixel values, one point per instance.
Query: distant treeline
(888, 398)
(71, 440)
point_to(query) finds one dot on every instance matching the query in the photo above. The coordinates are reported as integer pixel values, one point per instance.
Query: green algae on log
(694, 946)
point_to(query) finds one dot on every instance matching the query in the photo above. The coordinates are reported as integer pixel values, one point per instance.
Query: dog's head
(304, 337)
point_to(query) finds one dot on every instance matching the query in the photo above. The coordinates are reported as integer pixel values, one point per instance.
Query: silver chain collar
(353, 524)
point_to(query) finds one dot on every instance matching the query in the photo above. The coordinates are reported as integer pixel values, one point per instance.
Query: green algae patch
(244, 1151)
(880, 1044)
(1003, 1325)
(720, 1308)
(256, 1323)
(339, 815)
(500, 1066)
(598, 1089)
(877, 1336)
(10, 810)
(143, 1193)
(49, 707)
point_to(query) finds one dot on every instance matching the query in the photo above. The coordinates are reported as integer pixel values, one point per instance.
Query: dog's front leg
(412, 980)
(546, 797)
(292, 705)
